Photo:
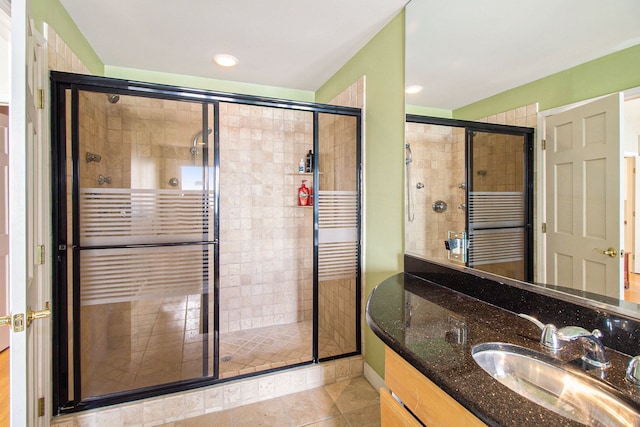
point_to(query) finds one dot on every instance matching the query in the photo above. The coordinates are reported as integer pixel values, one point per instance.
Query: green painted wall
(381, 61)
(55, 15)
(608, 74)
(428, 111)
(210, 84)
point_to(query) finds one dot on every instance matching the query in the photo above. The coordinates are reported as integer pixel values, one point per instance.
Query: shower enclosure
(470, 194)
(183, 258)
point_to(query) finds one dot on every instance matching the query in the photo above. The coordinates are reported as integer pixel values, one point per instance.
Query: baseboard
(372, 376)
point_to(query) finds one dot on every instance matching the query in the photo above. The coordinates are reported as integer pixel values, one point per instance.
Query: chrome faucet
(593, 351)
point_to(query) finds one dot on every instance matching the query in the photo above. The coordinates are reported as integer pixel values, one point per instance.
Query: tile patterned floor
(352, 403)
(163, 344)
(269, 347)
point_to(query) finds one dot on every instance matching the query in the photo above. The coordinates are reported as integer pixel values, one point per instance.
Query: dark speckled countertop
(434, 328)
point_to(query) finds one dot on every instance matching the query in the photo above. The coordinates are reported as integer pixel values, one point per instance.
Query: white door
(584, 197)
(29, 272)
(4, 227)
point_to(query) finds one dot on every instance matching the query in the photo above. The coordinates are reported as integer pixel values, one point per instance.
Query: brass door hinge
(41, 99)
(40, 254)
(544, 227)
(41, 407)
(544, 144)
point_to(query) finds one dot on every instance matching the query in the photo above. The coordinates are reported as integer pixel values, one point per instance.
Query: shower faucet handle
(104, 179)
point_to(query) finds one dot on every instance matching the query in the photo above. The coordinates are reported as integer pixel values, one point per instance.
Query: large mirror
(460, 53)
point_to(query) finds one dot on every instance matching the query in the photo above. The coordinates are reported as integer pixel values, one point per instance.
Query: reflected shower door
(497, 203)
(143, 242)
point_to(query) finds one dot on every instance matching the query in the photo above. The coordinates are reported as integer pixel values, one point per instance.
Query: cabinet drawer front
(425, 399)
(392, 414)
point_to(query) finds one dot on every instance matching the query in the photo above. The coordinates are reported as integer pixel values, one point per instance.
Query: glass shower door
(497, 203)
(143, 234)
(338, 252)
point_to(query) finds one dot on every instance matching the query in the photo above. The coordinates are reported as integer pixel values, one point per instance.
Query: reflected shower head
(409, 158)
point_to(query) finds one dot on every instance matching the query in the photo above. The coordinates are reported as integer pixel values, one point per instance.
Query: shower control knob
(439, 206)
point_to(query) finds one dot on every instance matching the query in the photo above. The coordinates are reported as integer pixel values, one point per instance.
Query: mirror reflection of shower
(194, 145)
(410, 199)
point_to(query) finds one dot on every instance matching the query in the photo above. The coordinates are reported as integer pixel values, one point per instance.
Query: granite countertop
(434, 329)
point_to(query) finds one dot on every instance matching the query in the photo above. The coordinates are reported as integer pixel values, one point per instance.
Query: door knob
(41, 314)
(5, 320)
(610, 252)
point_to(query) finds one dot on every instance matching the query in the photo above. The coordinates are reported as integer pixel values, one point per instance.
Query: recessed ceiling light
(413, 89)
(225, 60)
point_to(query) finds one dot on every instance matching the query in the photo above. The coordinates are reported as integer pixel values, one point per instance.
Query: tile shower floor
(163, 345)
(351, 403)
(269, 347)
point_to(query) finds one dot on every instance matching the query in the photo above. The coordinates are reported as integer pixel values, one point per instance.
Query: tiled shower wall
(498, 163)
(148, 140)
(438, 164)
(266, 262)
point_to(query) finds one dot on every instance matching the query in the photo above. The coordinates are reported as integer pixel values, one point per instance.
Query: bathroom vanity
(432, 316)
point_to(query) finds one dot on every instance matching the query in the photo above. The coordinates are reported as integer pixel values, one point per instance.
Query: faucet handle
(633, 370)
(548, 339)
(593, 350)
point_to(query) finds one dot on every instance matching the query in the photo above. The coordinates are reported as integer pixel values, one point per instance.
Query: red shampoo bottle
(303, 194)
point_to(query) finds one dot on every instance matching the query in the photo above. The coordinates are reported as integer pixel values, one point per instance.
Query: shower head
(194, 146)
(113, 98)
(409, 157)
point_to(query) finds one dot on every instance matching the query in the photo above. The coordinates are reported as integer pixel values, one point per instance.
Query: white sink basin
(537, 377)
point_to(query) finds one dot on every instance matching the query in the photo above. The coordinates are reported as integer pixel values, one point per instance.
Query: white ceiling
(461, 51)
(296, 44)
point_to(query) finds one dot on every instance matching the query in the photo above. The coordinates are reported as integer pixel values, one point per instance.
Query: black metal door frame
(61, 83)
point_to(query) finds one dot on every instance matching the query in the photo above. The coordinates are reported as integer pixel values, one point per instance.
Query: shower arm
(194, 145)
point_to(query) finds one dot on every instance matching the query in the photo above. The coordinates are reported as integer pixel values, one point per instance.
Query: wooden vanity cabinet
(422, 399)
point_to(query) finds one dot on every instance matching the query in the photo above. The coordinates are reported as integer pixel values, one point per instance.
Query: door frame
(30, 278)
